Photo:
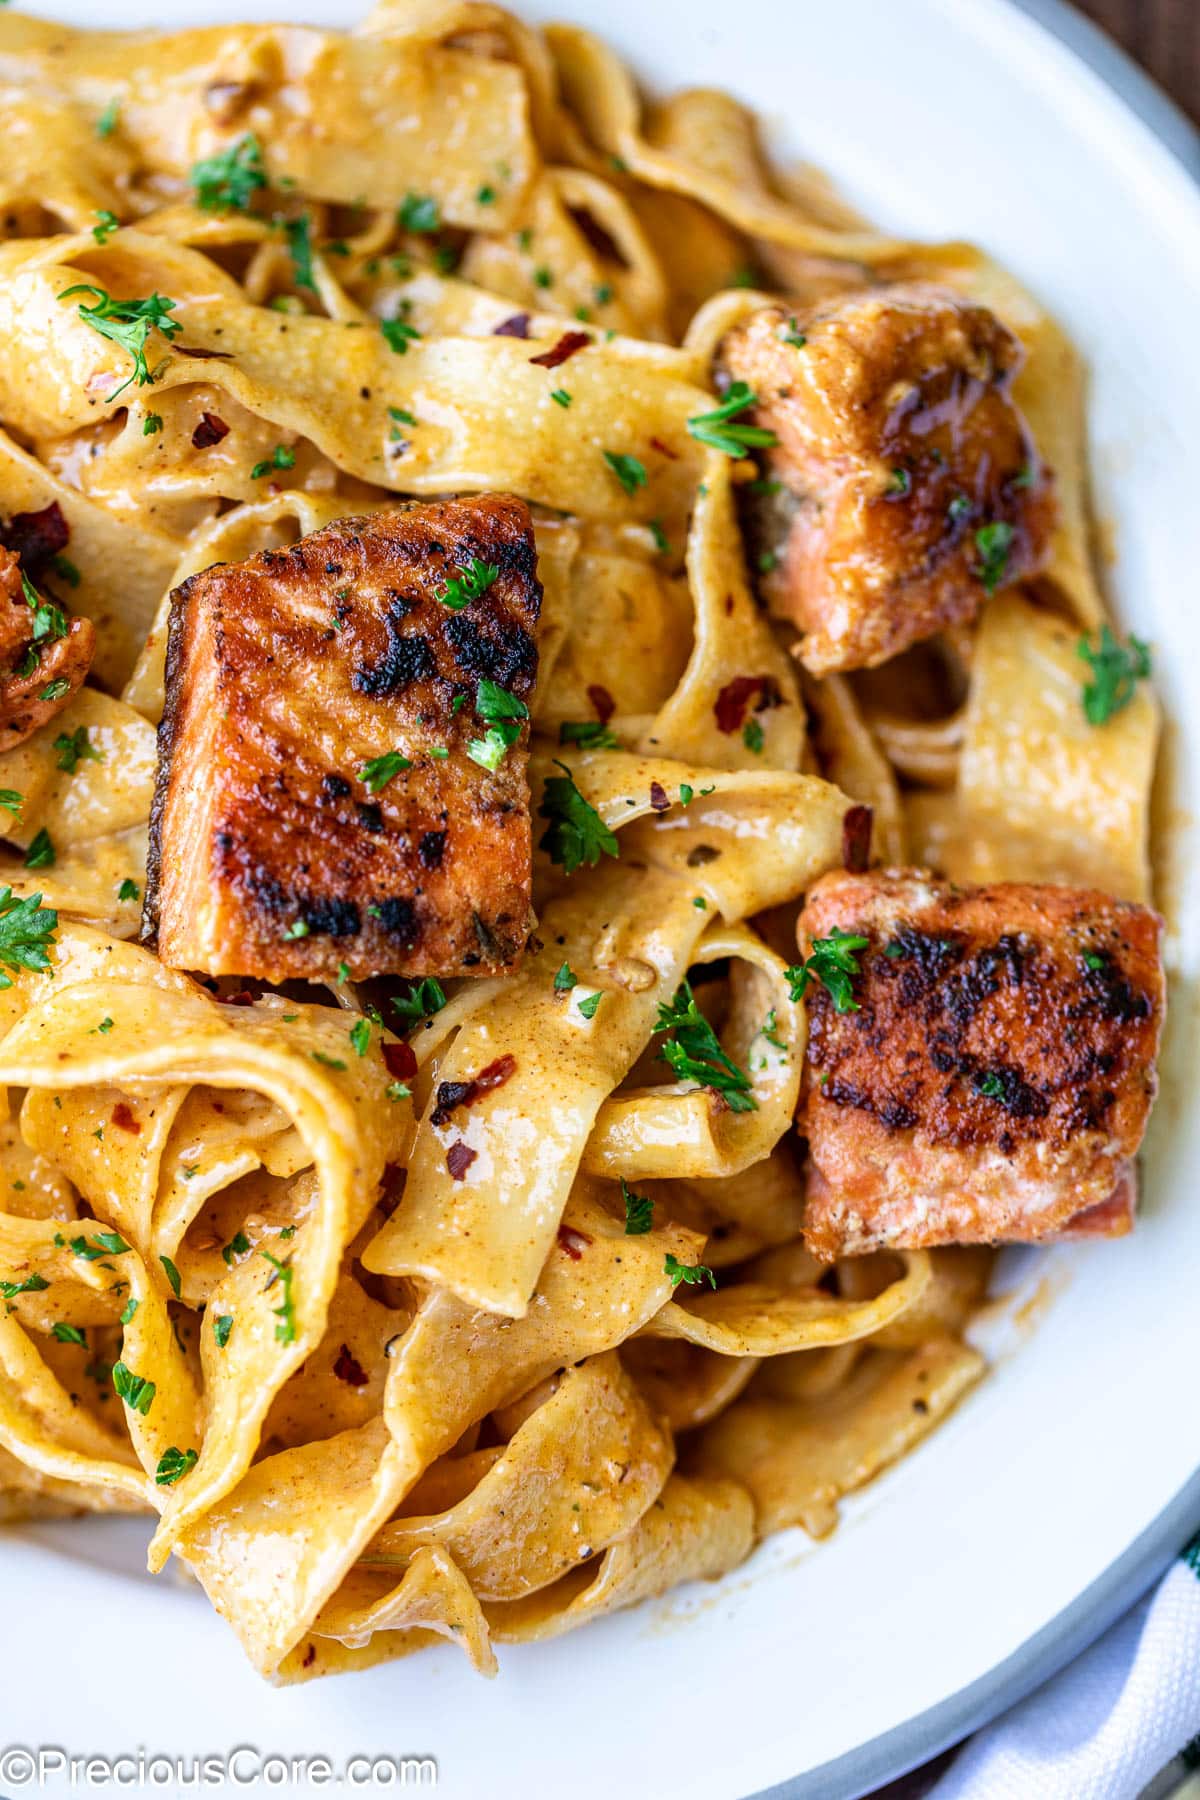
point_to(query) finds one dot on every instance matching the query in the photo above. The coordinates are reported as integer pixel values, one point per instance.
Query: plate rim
(918, 1740)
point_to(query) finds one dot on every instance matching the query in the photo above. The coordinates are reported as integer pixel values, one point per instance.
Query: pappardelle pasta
(575, 832)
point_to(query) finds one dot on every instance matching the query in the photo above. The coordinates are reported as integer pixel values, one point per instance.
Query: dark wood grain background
(1163, 35)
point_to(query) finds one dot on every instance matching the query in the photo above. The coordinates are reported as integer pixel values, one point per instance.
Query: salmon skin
(316, 807)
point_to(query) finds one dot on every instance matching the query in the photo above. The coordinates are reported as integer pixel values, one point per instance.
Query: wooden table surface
(1162, 35)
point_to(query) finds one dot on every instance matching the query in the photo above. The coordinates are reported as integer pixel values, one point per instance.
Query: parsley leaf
(127, 323)
(106, 124)
(174, 1464)
(589, 734)
(285, 1312)
(694, 1274)
(128, 890)
(105, 1243)
(575, 833)
(360, 1036)
(565, 980)
(49, 621)
(11, 801)
(172, 1275)
(41, 853)
(228, 180)
(106, 223)
(1116, 671)
(238, 1245)
(298, 233)
(68, 1334)
(993, 543)
(398, 334)
(376, 773)
(134, 1390)
(639, 1211)
(628, 470)
(26, 931)
(419, 213)
(752, 736)
(468, 585)
(693, 1050)
(222, 1326)
(717, 430)
(834, 963)
(427, 998)
(280, 458)
(328, 1062)
(72, 747)
(503, 713)
(589, 1004)
(32, 1284)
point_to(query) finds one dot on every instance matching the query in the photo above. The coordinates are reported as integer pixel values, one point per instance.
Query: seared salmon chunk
(992, 1070)
(909, 485)
(342, 756)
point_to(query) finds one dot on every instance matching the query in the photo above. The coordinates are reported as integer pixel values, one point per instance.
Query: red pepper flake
(35, 537)
(603, 702)
(664, 449)
(459, 1158)
(243, 997)
(736, 695)
(567, 345)
(856, 839)
(451, 1094)
(391, 1188)
(517, 326)
(122, 1116)
(400, 1061)
(347, 1368)
(310, 1656)
(209, 431)
(658, 797)
(573, 1242)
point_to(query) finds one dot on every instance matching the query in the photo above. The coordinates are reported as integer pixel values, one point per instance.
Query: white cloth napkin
(1107, 1725)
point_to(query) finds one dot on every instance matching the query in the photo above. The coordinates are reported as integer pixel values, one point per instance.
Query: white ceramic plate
(983, 1561)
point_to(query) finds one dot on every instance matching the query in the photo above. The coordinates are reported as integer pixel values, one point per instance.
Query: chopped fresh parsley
(280, 458)
(791, 334)
(589, 734)
(106, 223)
(151, 424)
(718, 430)
(228, 180)
(1116, 671)
(565, 980)
(285, 1312)
(238, 1245)
(65, 569)
(68, 1334)
(134, 1390)
(419, 213)
(899, 485)
(105, 1026)
(662, 542)
(396, 1090)
(49, 622)
(222, 1326)
(26, 931)
(54, 690)
(174, 1464)
(299, 928)
(692, 1274)
(106, 124)
(427, 998)
(328, 1062)
(398, 334)
(693, 1050)
(172, 1275)
(41, 853)
(589, 1004)
(560, 396)
(575, 833)
(376, 773)
(503, 714)
(993, 542)
(486, 195)
(1093, 959)
(639, 1211)
(834, 963)
(360, 1036)
(628, 470)
(990, 1085)
(105, 1243)
(469, 584)
(128, 890)
(129, 324)
(11, 801)
(32, 1284)
(72, 747)
(131, 1306)
(752, 736)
